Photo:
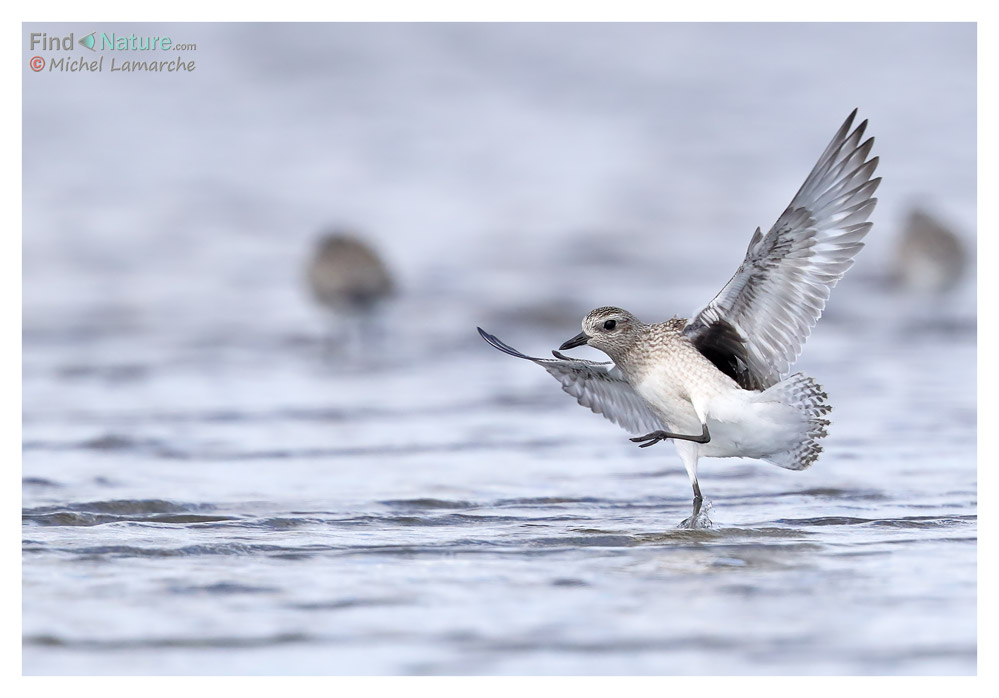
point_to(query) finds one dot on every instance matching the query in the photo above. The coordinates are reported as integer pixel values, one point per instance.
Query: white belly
(671, 404)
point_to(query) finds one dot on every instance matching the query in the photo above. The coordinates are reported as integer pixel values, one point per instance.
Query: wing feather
(755, 327)
(597, 385)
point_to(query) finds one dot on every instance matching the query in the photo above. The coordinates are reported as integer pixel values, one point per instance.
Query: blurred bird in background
(929, 258)
(349, 280)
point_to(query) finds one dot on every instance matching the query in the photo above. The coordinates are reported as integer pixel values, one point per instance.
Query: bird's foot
(653, 438)
(657, 436)
(698, 518)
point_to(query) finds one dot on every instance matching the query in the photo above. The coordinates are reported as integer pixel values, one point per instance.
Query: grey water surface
(219, 479)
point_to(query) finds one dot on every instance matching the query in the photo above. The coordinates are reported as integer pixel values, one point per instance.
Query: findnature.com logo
(67, 60)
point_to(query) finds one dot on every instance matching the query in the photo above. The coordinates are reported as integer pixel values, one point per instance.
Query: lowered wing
(597, 385)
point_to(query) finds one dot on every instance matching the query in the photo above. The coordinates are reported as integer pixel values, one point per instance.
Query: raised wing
(755, 327)
(595, 384)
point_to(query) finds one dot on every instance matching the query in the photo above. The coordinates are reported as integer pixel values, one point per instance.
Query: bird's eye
(610, 325)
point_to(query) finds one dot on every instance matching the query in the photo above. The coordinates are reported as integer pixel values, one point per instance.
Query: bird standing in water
(349, 280)
(717, 384)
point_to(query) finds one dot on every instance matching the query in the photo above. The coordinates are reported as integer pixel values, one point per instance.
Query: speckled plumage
(685, 391)
(718, 384)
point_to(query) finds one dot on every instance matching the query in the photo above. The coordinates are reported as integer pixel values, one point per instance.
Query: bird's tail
(805, 395)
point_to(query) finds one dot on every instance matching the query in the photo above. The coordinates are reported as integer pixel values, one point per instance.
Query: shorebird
(929, 257)
(350, 281)
(717, 385)
(346, 275)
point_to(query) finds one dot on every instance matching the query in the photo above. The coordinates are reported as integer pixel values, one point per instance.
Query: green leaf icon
(88, 41)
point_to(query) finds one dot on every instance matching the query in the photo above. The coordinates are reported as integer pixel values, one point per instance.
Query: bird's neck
(630, 358)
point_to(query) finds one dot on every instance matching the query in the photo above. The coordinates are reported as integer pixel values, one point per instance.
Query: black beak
(577, 341)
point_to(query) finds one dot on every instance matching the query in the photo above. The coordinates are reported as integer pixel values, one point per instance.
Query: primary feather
(597, 385)
(755, 327)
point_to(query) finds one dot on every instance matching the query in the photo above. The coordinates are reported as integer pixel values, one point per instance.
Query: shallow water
(210, 485)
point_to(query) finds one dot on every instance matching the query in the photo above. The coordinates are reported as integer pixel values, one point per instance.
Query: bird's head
(611, 330)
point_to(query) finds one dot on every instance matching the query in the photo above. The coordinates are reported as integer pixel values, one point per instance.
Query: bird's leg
(697, 502)
(657, 436)
(696, 510)
(698, 516)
